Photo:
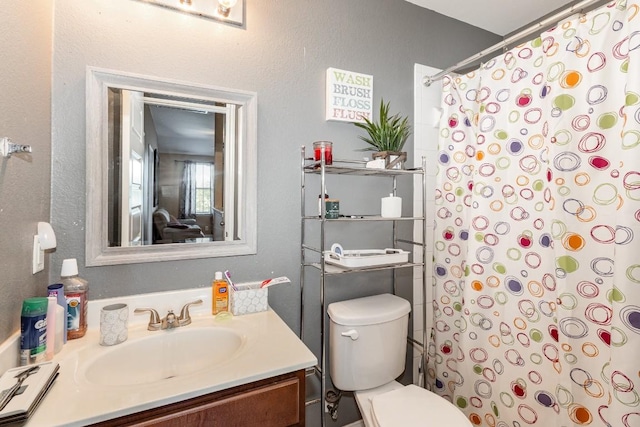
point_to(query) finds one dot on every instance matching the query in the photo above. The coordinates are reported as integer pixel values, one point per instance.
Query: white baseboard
(358, 423)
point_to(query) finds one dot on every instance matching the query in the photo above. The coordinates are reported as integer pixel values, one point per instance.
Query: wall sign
(349, 96)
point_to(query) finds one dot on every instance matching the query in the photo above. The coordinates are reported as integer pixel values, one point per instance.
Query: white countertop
(271, 348)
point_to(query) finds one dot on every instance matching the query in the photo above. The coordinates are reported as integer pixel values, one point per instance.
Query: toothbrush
(276, 281)
(228, 277)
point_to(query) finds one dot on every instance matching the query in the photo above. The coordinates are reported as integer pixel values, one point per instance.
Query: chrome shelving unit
(310, 167)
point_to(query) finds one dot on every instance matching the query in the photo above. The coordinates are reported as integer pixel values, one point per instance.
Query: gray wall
(282, 54)
(25, 117)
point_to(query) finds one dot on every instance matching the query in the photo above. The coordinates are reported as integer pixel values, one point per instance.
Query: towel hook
(7, 148)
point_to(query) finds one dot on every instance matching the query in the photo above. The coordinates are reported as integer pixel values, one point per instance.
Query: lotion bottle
(51, 327)
(219, 294)
(322, 201)
(57, 290)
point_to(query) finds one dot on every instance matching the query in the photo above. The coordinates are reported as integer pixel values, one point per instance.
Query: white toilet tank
(368, 341)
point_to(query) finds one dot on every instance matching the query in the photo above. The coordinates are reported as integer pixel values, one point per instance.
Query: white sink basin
(162, 355)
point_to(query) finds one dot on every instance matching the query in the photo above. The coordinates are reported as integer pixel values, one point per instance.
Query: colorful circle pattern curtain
(537, 235)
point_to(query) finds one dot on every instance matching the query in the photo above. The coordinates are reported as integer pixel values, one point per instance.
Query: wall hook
(7, 148)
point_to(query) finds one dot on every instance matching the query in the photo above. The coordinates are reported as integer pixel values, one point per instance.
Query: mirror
(171, 170)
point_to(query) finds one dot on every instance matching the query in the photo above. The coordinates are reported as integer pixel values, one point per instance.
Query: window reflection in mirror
(175, 163)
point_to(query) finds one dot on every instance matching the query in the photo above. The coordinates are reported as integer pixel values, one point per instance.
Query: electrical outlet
(38, 256)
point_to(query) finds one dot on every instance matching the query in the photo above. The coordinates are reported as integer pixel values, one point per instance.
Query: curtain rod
(516, 37)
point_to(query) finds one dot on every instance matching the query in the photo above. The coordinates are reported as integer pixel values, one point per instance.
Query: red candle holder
(326, 147)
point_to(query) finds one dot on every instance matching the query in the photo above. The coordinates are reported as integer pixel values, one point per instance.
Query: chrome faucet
(155, 324)
(170, 321)
(185, 317)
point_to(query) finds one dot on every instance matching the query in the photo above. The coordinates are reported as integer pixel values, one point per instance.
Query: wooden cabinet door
(276, 402)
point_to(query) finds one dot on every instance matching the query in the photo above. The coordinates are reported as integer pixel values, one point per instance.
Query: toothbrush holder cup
(249, 298)
(114, 320)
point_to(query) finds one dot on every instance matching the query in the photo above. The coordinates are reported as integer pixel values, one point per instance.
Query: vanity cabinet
(274, 402)
(313, 257)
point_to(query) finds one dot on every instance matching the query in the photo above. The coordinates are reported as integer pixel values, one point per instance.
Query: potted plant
(387, 136)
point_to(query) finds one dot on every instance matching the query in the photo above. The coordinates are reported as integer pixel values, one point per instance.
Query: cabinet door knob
(351, 333)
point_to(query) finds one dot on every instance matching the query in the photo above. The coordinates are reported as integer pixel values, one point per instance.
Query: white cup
(114, 319)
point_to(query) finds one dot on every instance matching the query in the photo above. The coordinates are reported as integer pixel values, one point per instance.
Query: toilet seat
(413, 406)
(364, 397)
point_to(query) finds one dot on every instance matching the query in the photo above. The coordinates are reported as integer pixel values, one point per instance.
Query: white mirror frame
(97, 251)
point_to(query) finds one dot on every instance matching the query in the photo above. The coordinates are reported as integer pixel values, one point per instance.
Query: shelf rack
(309, 166)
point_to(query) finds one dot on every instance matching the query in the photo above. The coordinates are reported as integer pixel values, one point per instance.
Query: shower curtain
(537, 232)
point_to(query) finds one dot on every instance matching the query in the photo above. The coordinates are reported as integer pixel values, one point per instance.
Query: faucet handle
(185, 317)
(154, 319)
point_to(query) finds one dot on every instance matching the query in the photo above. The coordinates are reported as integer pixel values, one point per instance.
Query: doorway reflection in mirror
(184, 141)
(171, 170)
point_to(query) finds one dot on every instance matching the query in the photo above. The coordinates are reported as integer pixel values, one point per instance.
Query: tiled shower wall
(426, 116)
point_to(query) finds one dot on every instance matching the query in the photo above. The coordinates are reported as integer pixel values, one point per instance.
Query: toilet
(367, 349)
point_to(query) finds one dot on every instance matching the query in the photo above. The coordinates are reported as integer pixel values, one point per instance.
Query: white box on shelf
(248, 298)
(365, 258)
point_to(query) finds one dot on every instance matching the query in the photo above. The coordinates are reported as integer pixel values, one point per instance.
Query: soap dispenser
(220, 294)
(391, 207)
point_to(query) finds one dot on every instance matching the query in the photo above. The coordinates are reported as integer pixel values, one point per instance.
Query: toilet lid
(413, 406)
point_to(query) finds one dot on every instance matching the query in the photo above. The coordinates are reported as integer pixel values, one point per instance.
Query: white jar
(391, 207)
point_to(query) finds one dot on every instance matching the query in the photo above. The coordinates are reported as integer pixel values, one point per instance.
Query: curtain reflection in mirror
(188, 190)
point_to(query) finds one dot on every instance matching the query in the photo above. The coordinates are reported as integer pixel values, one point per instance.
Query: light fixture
(224, 6)
(185, 5)
(229, 12)
(44, 240)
